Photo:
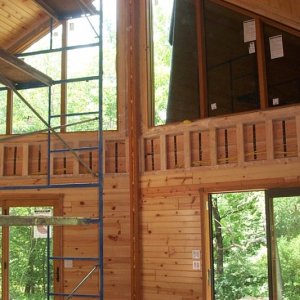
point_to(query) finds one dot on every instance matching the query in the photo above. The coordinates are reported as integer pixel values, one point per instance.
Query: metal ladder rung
(75, 114)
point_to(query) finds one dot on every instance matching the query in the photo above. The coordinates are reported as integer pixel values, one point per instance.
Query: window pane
(239, 246)
(283, 66)
(231, 61)
(175, 61)
(24, 120)
(287, 246)
(3, 98)
(81, 32)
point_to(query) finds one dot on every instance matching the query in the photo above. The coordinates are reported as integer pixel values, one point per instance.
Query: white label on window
(249, 31)
(196, 265)
(41, 231)
(276, 46)
(196, 254)
(275, 101)
(213, 106)
(251, 47)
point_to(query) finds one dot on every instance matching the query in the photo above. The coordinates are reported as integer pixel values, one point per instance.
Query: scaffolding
(97, 261)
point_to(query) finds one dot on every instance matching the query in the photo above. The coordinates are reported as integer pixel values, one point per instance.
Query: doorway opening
(255, 245)
(27, 272)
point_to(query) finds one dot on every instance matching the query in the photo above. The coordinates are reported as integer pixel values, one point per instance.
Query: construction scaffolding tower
(53, 134)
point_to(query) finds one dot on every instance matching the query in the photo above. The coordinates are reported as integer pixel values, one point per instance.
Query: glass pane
(162, 52)
(287, 246)
(28, 257)
(3, 98)
(24, 120)
(283, 66)
(175, 61)
(239, 246)
(232, 75)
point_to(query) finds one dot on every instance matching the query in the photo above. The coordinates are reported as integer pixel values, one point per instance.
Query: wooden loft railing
(236, 140)
(28, 156)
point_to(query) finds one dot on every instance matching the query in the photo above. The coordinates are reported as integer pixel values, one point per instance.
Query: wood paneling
(169, 232)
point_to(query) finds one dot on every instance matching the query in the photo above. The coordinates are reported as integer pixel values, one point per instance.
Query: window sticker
(276, 46)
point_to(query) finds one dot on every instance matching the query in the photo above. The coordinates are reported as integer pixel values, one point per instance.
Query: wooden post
(163, 152)
(64, 67)
(269, 140)
(240, 143)
(261, 64)
(1, 159)
(201, 59)
(213, 146)
(298, 133)
(187, 149)
(25, 159)
(9, 112)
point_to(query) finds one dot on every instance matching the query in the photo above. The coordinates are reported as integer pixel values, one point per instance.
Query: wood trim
(213, 146)
(9, 111)
(1, 159)
(261, 65)
(187, 149)
(298, 133)
(25, 156)
(133, 135)
(64, 72)
(269, 140)
(163, 152)
(201, 58)
(240, 143)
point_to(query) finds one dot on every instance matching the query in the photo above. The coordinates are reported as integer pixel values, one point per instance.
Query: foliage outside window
(239, 239)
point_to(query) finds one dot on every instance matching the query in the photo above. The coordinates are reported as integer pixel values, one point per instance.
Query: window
(81, 81)
(232, 78)
(283, 66)
(255, 245)
(175, 61)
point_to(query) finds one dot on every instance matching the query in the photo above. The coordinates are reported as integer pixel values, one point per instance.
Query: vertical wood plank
(201, 58)
(163, 152)
(262, 77)
(1, 159)
(9, 112)
(187, 149)
(269, 140)
(213, 146)
(298, 133)
(25, 159)
(76, 162)
(63, 91)
(240, 143)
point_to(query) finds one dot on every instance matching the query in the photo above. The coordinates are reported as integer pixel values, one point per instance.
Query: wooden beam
(47, 8)
(43, 220)
(21, 68)
(261, 64)
(9, 112)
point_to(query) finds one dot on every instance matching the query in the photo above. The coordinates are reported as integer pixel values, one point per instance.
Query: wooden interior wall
(170, 230)
(81, 241)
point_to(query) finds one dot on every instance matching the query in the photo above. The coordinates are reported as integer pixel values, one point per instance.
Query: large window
(75, 71)
(232, 78)
(220, 49)
(255, 246)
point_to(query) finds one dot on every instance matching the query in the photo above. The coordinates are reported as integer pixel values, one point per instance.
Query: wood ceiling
(23, 21)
